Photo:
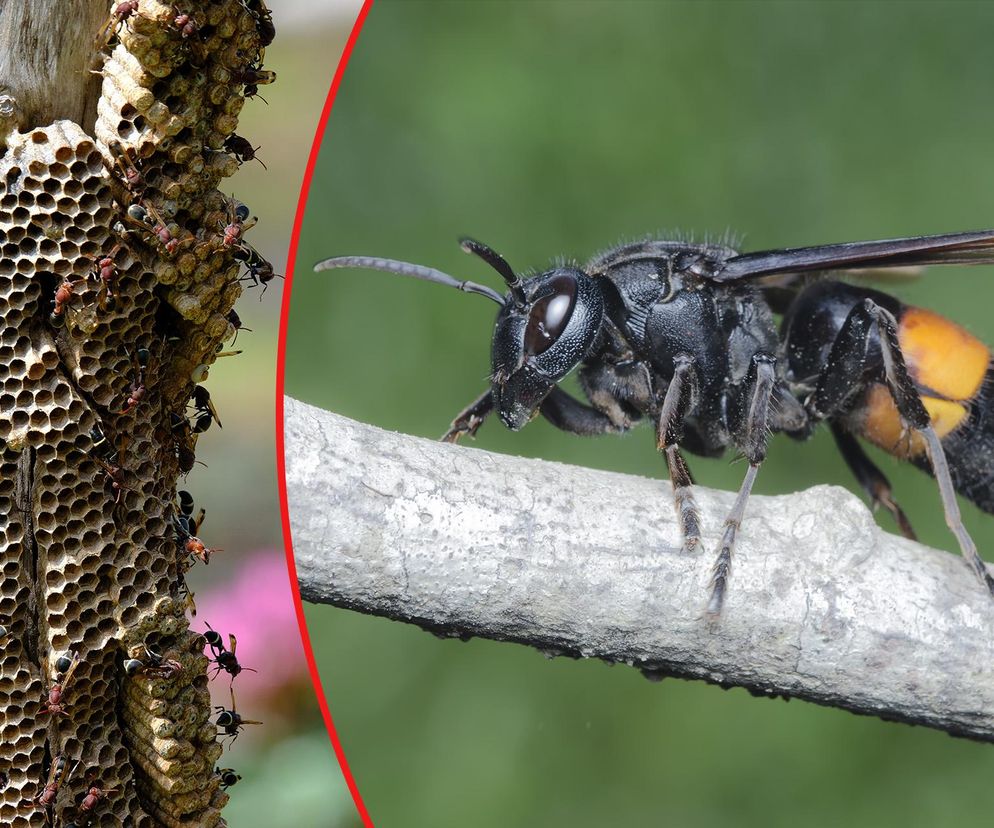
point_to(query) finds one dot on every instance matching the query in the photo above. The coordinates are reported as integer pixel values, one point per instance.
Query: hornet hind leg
(873, 481)
(844, 375)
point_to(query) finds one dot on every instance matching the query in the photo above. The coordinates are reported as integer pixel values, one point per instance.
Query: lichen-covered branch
(822, 605)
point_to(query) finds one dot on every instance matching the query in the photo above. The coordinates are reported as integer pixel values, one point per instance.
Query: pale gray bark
(822, 604)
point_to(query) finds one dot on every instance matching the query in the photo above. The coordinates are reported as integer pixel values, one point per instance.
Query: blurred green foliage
(550, 129)
(293, 782)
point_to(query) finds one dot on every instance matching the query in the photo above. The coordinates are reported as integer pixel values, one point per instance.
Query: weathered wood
(46, 53)
(822, 604)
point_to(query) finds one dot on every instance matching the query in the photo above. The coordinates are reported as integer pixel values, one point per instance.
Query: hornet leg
(680, 397)
(753, 438)
(469, 420)
(571, 415)
(849, 353)
(873, 481)
(559, 408)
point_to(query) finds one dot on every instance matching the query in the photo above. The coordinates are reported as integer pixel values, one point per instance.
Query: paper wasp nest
(90, 563)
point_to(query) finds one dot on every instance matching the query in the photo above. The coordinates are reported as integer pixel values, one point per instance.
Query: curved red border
(280, 458)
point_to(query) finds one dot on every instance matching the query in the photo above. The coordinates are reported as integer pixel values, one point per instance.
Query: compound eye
(550, 315)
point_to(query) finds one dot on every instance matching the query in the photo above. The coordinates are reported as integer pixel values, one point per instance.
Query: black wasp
(222, 657)
(228, 777)
(230, 721)
(684, 334)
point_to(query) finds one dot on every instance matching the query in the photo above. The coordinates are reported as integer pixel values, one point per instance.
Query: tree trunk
(98, 361)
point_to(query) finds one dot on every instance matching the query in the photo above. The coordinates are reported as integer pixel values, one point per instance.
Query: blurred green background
(554, 129)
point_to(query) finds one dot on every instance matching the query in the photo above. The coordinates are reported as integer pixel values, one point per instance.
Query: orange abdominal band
(943, 359)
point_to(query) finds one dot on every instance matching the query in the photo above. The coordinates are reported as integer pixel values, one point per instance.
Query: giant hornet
(684, 334)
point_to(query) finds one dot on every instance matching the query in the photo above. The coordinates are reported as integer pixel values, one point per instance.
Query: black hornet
(684, 334)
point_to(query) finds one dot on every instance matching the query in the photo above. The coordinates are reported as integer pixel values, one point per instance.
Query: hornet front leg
(469, 420)
(571, 415)
(559, 408)
(680, 398)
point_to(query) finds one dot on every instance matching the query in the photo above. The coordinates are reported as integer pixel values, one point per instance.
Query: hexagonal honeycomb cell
(120, 261)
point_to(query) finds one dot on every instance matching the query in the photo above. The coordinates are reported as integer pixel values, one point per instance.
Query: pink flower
(257, 606)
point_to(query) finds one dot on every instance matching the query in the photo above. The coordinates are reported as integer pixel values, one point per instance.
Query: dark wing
(976, 247)
(781, 289)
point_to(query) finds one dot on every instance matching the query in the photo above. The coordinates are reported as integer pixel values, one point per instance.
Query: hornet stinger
(684, 334)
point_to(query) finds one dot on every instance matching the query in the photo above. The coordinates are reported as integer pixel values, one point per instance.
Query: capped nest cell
(120, 261)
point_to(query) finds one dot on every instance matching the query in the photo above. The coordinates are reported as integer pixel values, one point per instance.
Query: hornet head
(545, 327)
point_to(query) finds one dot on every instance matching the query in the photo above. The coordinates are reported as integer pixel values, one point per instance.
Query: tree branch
(822, 604)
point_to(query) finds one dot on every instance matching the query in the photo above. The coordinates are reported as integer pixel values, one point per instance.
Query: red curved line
(280, 376)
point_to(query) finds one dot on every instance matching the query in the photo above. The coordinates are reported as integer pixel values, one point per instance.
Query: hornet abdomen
(952, 371)
(948, 366)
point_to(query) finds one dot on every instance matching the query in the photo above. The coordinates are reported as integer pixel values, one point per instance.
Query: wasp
(222, 657)
(110, 459)
(148, 218)
(184, 442)
(199, 550)
(105, 269)
(684, 335)
(259, 270)
(64, 294)
(252, 77)
(185, 24)
(116, 476)
(93, 796)
(228, 777)
(137, 389)
(154, 663)
(124, 158)
(66, 666)
(184, 506)
(186, 525)
(230, 721)
(204, 410)
(118, 17)
(238, 223)
(242, 149)
(263, 21)
(57, 774)
(236, 325)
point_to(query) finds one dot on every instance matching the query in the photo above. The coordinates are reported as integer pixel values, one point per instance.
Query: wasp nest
(120, 261)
